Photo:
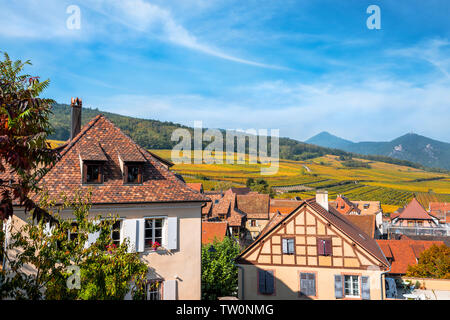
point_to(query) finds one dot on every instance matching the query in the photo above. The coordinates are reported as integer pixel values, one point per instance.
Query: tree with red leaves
(24, 127)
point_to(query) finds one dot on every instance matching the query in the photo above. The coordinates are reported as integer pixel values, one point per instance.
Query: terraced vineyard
(393, 185)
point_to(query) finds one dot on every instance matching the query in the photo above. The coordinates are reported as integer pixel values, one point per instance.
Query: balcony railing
(416, 231)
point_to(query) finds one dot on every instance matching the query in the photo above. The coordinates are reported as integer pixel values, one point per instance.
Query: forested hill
(153, 134)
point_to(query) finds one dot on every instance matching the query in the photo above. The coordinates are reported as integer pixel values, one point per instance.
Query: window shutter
(328, 248)
(338, 286)
(129, 231)
(92, 237)
(170, 290)
(303, 284)
(84, 172)
(320, 246)
(172, 233)
(365, 283)
(284, 242)
(125, 174)
(312, 284)
(262, 281)
(140, 236)
(291, 246)
(47, 229)
(269, 282)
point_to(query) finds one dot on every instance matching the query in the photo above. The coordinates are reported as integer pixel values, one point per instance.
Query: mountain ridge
(410, 146)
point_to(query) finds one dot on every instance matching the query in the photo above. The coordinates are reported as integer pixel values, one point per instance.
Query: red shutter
(328, 248)
(320, 246)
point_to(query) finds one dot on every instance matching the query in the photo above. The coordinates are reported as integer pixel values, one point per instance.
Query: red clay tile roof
(414, 210)
(404, 252)
(196, 186)
(283, 206)
(255, 205)
(92, 151)
(365, 222)
(159, 185)
(213, 230)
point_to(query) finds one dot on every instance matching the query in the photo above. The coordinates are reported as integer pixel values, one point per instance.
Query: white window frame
(158, 292)
(358, 278)
(163, 231)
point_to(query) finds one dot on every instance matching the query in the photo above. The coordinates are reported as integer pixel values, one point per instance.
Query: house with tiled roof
(152, 203)
(362, 209)
(404, 253)
(440, 210)
(414, 215)
(312, 252)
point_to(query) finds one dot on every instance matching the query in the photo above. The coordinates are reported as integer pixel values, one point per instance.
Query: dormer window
(133, 173)
(92, 172)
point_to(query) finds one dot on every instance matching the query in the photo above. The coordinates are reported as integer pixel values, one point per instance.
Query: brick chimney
(76, 105)
(322, 198)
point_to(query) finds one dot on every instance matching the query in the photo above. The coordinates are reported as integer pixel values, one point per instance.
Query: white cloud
(374, 109)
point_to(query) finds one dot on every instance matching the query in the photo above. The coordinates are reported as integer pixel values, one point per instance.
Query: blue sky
(298, 66)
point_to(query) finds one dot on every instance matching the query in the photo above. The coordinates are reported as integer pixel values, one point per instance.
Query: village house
(312, 252)
(440, 210)
(365, 214)
(246, 212)
(413, 220)
(153, 205)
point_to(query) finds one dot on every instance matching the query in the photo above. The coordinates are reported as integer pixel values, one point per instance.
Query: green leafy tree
(260, 185)
(219, 273)
(433, 263)
(24, 128)
(38, 258)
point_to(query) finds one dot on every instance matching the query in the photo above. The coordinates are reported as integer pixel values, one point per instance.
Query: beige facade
(179, 269)
(347, 259)
(287, 282)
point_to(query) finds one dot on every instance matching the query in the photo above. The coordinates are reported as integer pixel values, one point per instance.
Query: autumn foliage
(433, 263)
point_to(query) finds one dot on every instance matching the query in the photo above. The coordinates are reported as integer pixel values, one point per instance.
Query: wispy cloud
(434, 51)
(47, 20)
(151, 19)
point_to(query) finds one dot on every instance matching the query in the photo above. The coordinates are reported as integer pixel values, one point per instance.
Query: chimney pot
(322, 198)
(76, 105)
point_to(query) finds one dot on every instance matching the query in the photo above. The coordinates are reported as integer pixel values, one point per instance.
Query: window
(324, 247)
(154, 290)
(253, 223)
(115, 232)
(265, 282)
(351, 286)
(153, 232)
(366, 205)
(72, 233)
(235, 231)
(133, 174)
(92, 173)
(288, 246)
(308, 284)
